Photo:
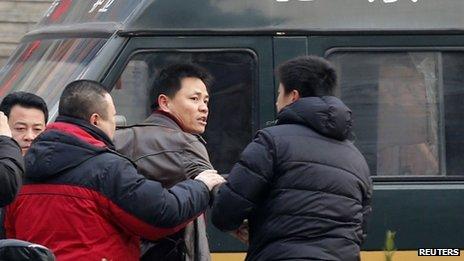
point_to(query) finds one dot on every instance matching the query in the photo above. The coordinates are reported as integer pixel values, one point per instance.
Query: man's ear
(295, 95)
(163, 102)
(94, 119)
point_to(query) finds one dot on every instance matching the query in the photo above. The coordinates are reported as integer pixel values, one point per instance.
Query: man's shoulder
(290, 129)
(127, 137)
(282, 129)
(146, 128)
(109, 164)
(109, 157)
(153, 132)
(139, 126)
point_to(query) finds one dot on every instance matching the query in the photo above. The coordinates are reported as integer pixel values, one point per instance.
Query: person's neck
(170, 116)
(87, 127)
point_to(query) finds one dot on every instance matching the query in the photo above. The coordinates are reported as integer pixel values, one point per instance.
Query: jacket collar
(326, 115)
(82, 130)
(165, 119)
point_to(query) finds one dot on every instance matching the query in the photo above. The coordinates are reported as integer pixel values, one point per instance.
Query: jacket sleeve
(11, 169)
(247, 184)
(195, 159)
(144, 208)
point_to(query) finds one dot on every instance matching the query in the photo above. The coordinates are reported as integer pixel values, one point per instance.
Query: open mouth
(202, 120)
(24, 149)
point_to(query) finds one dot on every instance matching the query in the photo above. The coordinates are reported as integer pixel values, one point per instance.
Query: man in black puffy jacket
(302, 185)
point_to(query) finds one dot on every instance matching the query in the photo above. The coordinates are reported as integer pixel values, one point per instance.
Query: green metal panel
(286, 48)
(423, 215)
(315, 15)
(323, 45)
(223, 16)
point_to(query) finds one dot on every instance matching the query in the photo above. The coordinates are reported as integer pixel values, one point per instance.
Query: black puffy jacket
(11, 169)
(304, 187)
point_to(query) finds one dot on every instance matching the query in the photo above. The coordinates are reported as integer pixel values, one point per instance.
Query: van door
(406, 95)
(242, 95)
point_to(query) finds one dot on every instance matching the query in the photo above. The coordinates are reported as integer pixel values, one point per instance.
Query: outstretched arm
(144, 208)
(247, 184)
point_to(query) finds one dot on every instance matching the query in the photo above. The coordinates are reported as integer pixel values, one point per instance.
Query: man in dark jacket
(85, 201)
(11, 164)
(167, 147)
(302, 185)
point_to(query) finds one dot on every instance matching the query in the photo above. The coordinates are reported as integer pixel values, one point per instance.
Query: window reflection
(44, 67)
(406, 120)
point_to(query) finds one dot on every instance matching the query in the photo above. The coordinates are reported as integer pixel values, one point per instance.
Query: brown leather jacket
(162, 151)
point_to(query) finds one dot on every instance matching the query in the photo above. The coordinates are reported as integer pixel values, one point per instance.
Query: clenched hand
(210, 178)
(4, 128)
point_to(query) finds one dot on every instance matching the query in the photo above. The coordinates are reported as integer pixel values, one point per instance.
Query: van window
(229, 126)
(44, 67)
(406, 108)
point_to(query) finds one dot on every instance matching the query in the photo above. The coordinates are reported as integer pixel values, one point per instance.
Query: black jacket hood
(55, 151)
(326, 115)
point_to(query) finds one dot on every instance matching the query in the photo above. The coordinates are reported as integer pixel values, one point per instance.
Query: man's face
(107, 123)
(25, 124)
(283, 99)
(190, 105)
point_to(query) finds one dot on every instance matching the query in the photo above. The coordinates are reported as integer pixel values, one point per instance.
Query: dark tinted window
(229, 126)
(407, 109)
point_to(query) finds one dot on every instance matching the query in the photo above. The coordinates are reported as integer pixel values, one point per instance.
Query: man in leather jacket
(167, 147)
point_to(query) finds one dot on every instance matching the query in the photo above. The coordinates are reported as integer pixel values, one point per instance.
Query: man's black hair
(82, 98)
(311, 76)
(169, 80)
(23, 99)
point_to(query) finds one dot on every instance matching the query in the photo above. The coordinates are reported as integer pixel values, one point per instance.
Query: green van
(400, 64)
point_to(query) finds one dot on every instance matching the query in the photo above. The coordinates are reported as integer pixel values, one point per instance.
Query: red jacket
(86, 202)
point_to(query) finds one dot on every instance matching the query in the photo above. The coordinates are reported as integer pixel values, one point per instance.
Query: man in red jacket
(85, 201)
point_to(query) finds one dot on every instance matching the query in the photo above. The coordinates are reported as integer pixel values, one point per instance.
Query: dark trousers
(171, 248)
